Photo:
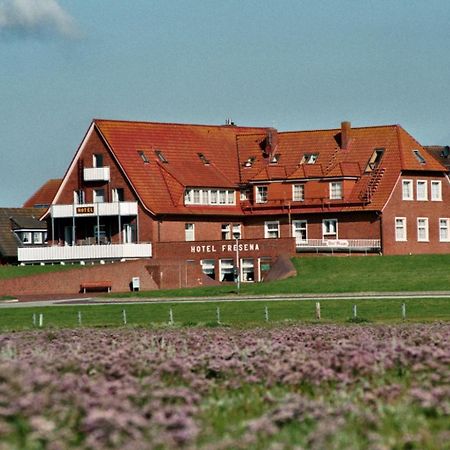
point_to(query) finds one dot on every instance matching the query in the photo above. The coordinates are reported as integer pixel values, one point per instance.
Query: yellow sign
(85, 210)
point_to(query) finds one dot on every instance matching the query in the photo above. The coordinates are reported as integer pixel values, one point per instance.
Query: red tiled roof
(44, 195)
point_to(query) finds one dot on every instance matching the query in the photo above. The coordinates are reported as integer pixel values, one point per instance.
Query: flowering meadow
(279, 387)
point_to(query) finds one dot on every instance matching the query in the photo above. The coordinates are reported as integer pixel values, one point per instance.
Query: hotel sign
(214, 248)
(85, 210)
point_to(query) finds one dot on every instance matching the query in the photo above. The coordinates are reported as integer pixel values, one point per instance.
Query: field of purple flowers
(291, 387)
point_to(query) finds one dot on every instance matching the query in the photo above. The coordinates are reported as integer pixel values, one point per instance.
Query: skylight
(160, 156)
(375, 159)
(203, 158)
(309, 158)
(275, 158)
(249, 162)
(143, 156)
(419, 157)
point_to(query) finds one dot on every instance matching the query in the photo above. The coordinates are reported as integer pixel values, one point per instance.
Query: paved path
(241, 298)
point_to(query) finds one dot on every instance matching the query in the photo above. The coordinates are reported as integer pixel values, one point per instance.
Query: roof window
(143, 156)
(203, 159)
(375, 159)
(249, 162)
(275, 158)
(419, 157)
(309, 158)
(160, 156)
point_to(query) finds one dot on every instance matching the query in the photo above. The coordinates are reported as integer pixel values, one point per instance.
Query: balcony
(94, 209)
(84, 253)
(96, 174)
(338, 245)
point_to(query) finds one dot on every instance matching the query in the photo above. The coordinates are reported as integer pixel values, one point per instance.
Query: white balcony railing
(96, 174)
(338, 244)
(84, 252)
(94, 209)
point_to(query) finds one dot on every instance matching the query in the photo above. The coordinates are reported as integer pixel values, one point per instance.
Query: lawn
(285, 387)
(9, 271)
(237, 314)
(320, 275)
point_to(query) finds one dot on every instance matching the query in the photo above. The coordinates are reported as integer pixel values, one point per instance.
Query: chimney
(346, 131)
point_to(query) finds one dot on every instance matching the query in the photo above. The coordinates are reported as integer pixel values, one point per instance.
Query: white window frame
(96, 158)
(268, 231)
(189, 232)
(230, 197)
(401, 234)
(336, 190)
(423, 198)
(96, 197)
(301, 225)
(444, 226)
(200, 196)
(227, 264)
(236, 228)
(38, 237)
(298, 192)
(261, 194)
(326, 228)
(407, 195)
(438, 197)
(423, 225)
(115, 194)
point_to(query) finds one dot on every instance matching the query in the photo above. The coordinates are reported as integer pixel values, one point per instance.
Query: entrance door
(68, 235)
(299, 228)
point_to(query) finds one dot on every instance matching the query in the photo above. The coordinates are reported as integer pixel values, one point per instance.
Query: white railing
(94, 209)
(96, 174)
(339, 244)
(84, 252)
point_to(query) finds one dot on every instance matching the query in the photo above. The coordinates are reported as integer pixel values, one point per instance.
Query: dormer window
(309, 158)
(160, 156)
(275, 158)
(375, 159)
(203, 159)
(249, 162)
(143, 156)
(419, 157)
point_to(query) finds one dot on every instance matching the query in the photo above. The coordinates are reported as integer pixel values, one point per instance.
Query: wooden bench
(95, 286)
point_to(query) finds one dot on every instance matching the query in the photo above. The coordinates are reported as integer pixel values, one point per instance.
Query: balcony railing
(94, 209)
(96, 174)
(348, 245)
(84, 253)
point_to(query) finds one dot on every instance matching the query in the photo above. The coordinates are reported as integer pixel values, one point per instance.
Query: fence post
(41, 320)
(170, 316)
(403, 311)
(218, 315)
(317, 310)
(79, 318)
(34, 320)
(124, 316)
(266, 313)
(355, 312)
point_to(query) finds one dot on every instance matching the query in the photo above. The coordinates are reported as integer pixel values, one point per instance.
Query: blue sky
(293, 65)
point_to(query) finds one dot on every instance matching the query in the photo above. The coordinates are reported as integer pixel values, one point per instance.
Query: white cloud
(35, 17)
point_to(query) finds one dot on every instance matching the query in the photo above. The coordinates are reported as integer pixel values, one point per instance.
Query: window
(203, 159)
(226, 231)
(161, 156)
(249, 162)
(100, 234)
(143, 156)
(38, 237)
(375, 159)
(189, 231)
(245, 194)
(188, 196)
(422, 190)
(330, 228)
(208, 268)
(275, 158)
(436, 190)
(196, 199)
(118, 195)
(265, 263)
(400, 229)
(213, 197)
(272, 230)
(336, 190)
(444, 230)
(309, 158)
(226, 269)
(298, 192)
(99, 195)
(230, 197)
(237, 231)
(261, 194)
(222, 197)
(247, 270)
(199, 196)
(97, 160)
(419, 157)
(407, 190)
(78, 197)
(26, 237)
(299, 230)
(422, 229)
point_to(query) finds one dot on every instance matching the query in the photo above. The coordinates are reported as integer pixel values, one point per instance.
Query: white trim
(266, 229)
(447, 227)
(404, 228)
(324, 233)
(438, 183)
(189, 231)
(426, 228)
(341, 190)
(302, 192)
(411, 182)
(305, 227)
(258, 197)
(424, 183)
